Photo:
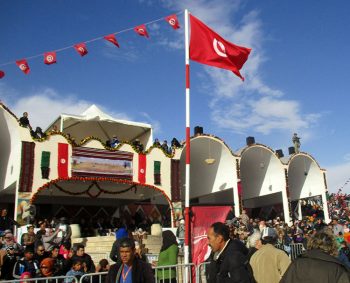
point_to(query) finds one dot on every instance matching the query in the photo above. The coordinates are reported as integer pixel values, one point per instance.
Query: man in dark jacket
(228, 261)
(130, 269)
(318, 264)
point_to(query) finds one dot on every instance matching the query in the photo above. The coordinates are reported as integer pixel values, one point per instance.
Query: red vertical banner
(203, 218)
(62, 165)
(142, 168)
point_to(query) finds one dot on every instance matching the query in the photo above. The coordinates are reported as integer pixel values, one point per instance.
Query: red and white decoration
(141, 30)
(173, 21)
(81, 49)
(112, 38)
(23, 65)
(208, 47)
(50, 58)
(142, 168)
(62, 160)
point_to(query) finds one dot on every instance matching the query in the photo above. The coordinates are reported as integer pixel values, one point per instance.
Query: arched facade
(211, 183)
(215, 170)
(263, 178)
(306, 179)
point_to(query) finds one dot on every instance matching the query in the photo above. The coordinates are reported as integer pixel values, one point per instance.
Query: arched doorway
(306, 180)
(84, 197)
(213, 172)
(263, 181)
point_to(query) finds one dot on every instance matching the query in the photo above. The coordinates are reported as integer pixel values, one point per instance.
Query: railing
(201, 272)
(56, 279)
(183, 273)
(293, 250)
(93, 277)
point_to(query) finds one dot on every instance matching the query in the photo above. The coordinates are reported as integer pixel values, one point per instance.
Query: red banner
(62, 166)
(203, 218)
(142, 168)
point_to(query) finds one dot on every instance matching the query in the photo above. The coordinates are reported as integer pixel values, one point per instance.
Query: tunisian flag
(81, 49)
(112, 38)
(23, 65)
(142, 168)
(207, 47)
(50, 58)
(173, 21)
(62, 164)
(141, 30)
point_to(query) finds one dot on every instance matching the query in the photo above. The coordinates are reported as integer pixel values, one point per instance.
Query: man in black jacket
(228, 261)
(130, 269)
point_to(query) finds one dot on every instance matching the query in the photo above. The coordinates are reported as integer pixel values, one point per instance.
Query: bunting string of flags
(50, 57)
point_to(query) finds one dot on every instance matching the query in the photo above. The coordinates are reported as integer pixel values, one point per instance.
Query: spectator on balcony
(38, 133)
(156, 142)
(138, 145)
(24, 121)
(114, 141)
(165, 146)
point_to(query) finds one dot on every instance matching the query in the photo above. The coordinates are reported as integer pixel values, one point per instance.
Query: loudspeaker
(291, 150)
(198, 130)
(279, 153)
(250, 140)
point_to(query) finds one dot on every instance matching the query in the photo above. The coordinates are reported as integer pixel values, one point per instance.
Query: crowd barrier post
(201, 272)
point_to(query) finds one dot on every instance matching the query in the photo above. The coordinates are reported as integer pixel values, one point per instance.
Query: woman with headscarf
(25, 275)
(167, 256)
(47, 267)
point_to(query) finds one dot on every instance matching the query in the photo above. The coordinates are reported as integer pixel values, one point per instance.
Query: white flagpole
(188, 151)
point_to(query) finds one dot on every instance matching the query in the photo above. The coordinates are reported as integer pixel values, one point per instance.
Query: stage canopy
(93, 122)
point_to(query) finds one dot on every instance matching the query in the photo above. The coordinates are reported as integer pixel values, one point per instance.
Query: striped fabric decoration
(102, 153)
(93, 162)
(27, 167)
(157, 180)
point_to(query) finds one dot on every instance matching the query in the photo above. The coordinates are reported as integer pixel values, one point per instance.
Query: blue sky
(296, 76)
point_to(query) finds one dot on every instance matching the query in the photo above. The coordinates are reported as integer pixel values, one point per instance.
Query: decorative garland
(87, 191)
(102, 179)
(81, 48)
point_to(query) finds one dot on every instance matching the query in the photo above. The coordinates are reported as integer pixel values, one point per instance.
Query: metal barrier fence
(183, 273)
(201, 272)
(296, 250)
(56, 279)
(293, 250)
(93, 277)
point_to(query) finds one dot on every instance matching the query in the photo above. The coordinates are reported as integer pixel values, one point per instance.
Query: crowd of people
(243, 249)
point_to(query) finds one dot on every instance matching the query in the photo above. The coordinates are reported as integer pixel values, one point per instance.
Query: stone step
(97, 239)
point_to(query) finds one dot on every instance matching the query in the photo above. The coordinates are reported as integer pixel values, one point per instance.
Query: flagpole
(188, 146)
